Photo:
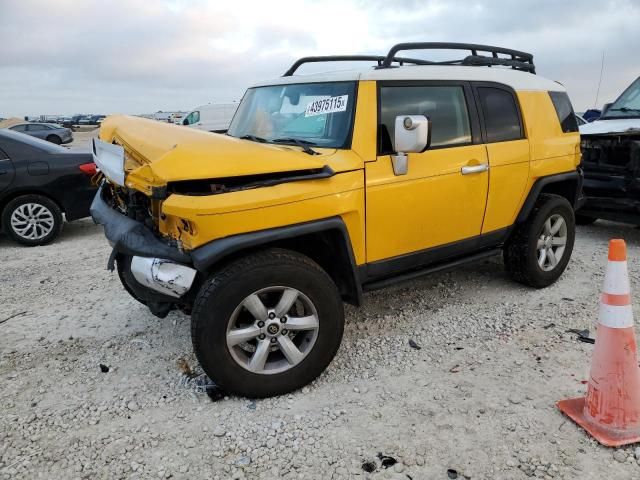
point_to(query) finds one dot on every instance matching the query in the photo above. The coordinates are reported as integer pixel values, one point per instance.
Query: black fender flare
(575, 176)
(208, 255)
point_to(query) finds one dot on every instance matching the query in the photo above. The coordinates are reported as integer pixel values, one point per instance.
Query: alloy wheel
(551, 242)
(32, 221)
(272, 330)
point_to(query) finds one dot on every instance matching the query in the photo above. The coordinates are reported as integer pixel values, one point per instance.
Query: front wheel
(267, 324)
(54, 139)
(540, 248)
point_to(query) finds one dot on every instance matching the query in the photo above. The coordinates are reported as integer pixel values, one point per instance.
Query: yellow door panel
(433, 204)
(508, 176)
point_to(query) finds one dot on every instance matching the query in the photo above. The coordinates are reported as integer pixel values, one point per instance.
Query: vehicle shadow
(606, 230)
(79, 229)
(71, 230)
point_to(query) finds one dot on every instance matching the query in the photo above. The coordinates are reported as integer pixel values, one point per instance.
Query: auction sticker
(327, 105)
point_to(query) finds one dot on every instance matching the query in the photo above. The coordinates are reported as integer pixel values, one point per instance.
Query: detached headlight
(110, 160)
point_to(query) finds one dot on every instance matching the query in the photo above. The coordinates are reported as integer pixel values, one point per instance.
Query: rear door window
(564, 109)
(19, 128)
(445, 106)
(501, 115)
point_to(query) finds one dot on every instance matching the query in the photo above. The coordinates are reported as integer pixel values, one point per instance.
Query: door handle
(468, 169)
(3, 172)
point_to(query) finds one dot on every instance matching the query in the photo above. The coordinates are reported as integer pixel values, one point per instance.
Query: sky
(141, 56)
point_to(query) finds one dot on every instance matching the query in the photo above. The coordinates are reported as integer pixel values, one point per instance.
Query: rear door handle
(3, 172)
(469, 169)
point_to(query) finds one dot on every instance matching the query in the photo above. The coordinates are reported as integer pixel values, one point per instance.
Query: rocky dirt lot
(476, 400)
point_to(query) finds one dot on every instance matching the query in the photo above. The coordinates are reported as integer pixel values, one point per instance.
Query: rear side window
(445, 106)
(501, 117)
(564, 109)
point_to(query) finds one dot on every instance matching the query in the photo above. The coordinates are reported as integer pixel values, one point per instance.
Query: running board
(378, 284)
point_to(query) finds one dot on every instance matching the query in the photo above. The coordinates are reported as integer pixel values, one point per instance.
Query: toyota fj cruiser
(331, 184)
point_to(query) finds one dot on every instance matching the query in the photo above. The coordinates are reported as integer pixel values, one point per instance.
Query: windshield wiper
(303, 144)
(253, 138)
(624, 109)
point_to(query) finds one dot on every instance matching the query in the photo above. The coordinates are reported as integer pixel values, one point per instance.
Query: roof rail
(517, 60)
(352, 58)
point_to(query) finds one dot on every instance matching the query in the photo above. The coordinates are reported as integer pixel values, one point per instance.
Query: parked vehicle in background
(591, 114)
(39, 182)
(70, 121)
(84, 120)
(176, 118)
(96, 119)
(331, 184)
(211, 117)
(46, 131)
(611, 160)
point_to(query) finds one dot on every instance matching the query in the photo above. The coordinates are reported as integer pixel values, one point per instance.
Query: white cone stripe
(616, 316)
(616, 279)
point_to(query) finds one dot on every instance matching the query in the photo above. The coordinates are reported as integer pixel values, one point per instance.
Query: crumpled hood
(613, 126)
(161, 152)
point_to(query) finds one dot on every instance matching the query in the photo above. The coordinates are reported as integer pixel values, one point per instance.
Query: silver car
(47, 131)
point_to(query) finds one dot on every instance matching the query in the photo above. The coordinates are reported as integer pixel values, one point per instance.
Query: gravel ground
(475, 401)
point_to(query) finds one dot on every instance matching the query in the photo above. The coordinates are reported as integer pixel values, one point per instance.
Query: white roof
(516, 79)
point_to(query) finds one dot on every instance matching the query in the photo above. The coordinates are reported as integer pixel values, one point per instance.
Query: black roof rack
(352, 58)
(517, 60)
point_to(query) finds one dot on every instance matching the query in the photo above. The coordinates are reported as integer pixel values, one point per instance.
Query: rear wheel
(269, 332)
(540, 248)
(54, 139)
(32, 220)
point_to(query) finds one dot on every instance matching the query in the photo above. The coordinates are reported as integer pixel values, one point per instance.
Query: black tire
(583, 220)
(49, 205)
(521, 251)
(54, 139)
(122, 263)
(225, 290)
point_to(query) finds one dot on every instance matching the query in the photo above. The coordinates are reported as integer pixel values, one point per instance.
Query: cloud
(64, 56)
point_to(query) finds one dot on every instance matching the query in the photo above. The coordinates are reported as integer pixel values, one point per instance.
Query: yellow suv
(331, 184)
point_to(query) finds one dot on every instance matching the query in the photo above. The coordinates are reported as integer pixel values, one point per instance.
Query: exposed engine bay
(611, 165)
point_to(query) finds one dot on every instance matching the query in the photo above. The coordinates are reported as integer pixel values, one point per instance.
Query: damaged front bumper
(154, 271)
(612, 176)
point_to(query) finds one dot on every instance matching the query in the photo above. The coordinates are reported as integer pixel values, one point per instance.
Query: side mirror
(412, 135)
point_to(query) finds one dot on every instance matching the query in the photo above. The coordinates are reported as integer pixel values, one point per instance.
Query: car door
(440, 201)
(7, 171)
(508, 153)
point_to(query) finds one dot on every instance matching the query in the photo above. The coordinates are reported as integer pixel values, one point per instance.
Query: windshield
(627, 104)
(318, 114)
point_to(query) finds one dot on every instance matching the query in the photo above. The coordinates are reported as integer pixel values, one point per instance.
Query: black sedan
(39, 182)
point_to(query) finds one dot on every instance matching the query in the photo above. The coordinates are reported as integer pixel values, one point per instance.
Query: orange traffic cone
(611, 410)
